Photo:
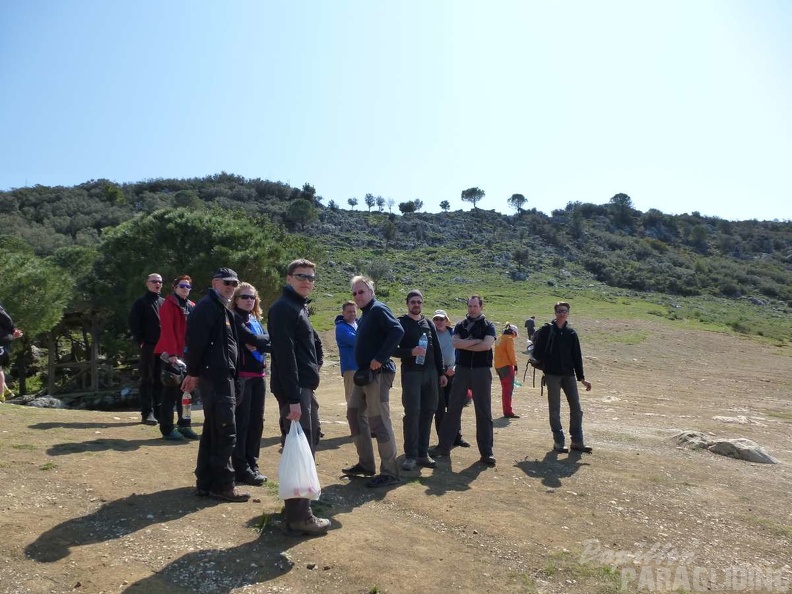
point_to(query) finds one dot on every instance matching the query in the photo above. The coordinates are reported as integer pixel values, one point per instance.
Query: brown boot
(313, 526)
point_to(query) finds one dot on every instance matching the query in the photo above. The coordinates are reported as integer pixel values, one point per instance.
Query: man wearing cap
(294, 376)
(422, 369)
(144, 324)
(473, 339)
(445, 334)
(378, 335)
(212, 355)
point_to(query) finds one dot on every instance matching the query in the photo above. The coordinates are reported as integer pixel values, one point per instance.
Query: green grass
(447, 276)
(48, 466)
(23, 446)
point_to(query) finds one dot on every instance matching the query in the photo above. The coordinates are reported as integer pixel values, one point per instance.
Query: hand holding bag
(297, 476)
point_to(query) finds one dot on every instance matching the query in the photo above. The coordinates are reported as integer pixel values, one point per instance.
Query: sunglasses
(153, 282)
(231, 283)
(562, 311)
(246, 296)
(304, 277)
(356, 293)
(184, 286)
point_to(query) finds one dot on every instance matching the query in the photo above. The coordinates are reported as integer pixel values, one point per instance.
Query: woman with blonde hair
(249, 413)
(506, 367)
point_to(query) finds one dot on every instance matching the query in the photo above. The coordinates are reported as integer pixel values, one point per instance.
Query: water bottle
(186, 405)
(423, 342)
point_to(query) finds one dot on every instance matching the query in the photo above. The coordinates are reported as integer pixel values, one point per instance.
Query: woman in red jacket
(173, 322)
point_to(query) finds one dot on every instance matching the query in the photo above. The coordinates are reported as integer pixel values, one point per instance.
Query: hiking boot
(426, 462)
(511, 416)
(188, 433)
(408, 464)
(313, 526)
(581, 447)
(488, 460)
(150, 419)
(382, 480)
(559, 447)
(201, 492)
(253, 479)
(230, 494)
(438, 452)
(461, 443)
(174, 435)
(357, 470)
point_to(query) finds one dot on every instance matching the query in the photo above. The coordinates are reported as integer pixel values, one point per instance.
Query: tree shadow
(551, 469)
(114, 520)
(56, 425)
(118, 445)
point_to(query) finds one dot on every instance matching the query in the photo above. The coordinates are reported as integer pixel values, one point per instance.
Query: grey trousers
(479, 381)
(368, 411)
(420, 391)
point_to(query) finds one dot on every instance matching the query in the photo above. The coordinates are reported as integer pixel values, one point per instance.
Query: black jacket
(212, 348)
(559, 350)
(7, 327)
(477, 329)
(412, 333)
(144, 320)
(295, 356)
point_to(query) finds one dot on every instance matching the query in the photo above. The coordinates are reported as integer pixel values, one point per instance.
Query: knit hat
(414, 293)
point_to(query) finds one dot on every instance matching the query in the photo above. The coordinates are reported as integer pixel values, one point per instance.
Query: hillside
(95, 502)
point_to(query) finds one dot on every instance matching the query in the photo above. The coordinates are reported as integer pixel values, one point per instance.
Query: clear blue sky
(683, 105)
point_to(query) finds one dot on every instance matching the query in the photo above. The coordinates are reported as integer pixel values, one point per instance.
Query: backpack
(539, 363)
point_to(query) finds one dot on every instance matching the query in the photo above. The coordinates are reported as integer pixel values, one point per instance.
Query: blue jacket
(345, 338)
(378, 335)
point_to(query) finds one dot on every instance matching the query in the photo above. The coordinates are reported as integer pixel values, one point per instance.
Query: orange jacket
(505, 354)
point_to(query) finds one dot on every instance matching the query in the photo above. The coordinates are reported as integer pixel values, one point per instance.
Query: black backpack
(539, 363)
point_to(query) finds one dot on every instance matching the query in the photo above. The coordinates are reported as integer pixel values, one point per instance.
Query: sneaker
(559, 447)
(488, 460)
(461, 443)
(426, 462)
(357, 470)
(382, 480)
(174, 435)
(511, 416)
(188, 433)
(408, 464)
(253, 479)
(580, 447)
(230, 494)
(313, 526)
(150, 419)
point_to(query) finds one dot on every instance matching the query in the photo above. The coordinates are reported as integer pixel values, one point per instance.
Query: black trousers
(214, 471)
(249, 424)
(171, 398)
(299, 509)
(150, 384)
(442, 407)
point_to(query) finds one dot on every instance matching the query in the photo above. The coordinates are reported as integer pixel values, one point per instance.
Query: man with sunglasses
(368, 409)
(212, 357)
(557, 346)
(294, 376)
(144, 324)
(422, 374)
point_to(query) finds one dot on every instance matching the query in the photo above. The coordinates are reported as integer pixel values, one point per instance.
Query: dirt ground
(95, 502)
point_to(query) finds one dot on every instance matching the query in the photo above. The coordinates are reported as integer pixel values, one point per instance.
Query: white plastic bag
(297, 476)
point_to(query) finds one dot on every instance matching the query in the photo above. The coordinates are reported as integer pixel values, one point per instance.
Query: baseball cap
(225, 274)
(440, 313)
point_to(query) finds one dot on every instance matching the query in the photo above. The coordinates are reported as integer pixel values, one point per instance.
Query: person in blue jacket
(346, 324)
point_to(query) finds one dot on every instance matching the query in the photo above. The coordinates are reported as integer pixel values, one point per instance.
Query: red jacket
(173, 322)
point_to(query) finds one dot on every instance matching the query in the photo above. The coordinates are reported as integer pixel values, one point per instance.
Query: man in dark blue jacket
(144, 324)
(212, 357)
(295, 376)
(378, 335)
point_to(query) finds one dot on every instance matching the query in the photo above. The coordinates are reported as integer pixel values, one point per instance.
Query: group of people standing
(223, 345)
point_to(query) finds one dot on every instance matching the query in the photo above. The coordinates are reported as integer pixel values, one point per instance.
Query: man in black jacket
(296, 353)
(144, 323)
(558, 347)
(422, 374)
(212, 355)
